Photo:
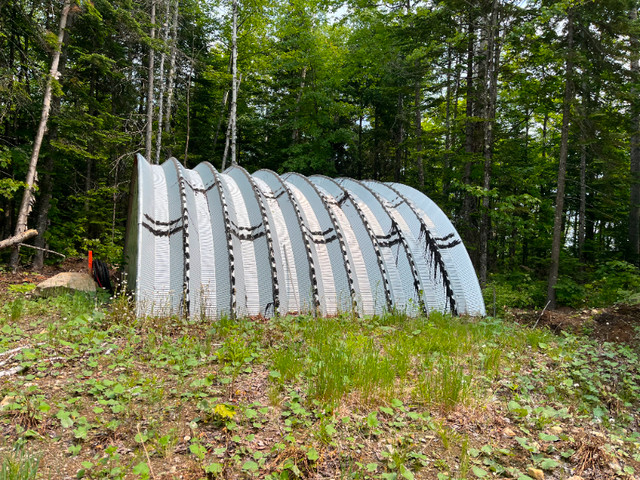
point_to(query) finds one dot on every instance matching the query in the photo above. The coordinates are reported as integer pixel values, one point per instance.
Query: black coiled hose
(101, 275)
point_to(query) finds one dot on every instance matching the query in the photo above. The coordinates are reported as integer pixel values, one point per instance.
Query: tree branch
(18, 238)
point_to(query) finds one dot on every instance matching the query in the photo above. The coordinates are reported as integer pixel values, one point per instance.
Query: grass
(103, 394)
(18, 465)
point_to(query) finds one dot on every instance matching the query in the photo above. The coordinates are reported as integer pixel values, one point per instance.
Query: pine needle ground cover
(94, 392)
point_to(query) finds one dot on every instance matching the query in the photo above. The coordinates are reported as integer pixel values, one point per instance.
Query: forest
(521, 120)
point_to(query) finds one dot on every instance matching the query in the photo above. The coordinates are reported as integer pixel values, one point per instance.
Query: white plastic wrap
(203, 243)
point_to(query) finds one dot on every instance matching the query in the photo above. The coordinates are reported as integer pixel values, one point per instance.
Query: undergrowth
(103, 394)
(579, 286)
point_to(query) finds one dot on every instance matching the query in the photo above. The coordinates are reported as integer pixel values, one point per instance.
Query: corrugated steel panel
(204, 243)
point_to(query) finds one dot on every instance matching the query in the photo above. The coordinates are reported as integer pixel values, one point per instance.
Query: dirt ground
(25, 275)
(619, 323)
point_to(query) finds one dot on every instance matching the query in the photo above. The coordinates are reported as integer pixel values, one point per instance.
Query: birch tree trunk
(172, 69)
(562, 167)
(46, 190)
(151, 75)
(165, 38)
(186, 142)
(234, 84)
(28, 198)
(225, 99)
(418, 106)
(227, 142)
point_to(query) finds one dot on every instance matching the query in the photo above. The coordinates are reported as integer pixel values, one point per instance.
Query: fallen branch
(8, 242)
(4, 362)
(53, 359)
(146, 452)
(15, 350)
(542, 313)
(42, 249)
(13, 371)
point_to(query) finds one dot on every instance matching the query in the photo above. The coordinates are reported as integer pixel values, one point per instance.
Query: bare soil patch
(620, 323)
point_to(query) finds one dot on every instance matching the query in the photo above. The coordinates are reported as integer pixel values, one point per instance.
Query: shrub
(615, 281)
(514, 290)
(570, 293)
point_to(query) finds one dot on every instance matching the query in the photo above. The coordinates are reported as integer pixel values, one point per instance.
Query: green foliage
(19, 465)
(614, 281)
(514, 290)
(9, 186)
(347, 89)
(611, 282)
(569, 292)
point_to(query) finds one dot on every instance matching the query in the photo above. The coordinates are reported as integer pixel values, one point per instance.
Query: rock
(8, 400)
(66, 282)
(615, 465)
(535, 473)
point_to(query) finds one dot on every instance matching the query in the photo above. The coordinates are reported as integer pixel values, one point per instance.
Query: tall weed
(19, 465)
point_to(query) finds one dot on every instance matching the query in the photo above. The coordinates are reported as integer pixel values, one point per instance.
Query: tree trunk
(6, 115)
(28, 199)
(582, 210)
(447, 132)
(150, 76)
(418, 105)
(470, 125)
(469, 144)
(453, 120)
(376, 143)
(46, 190)
(634, 210)
(227, 142)
(234, 82)
(225, 99)
(42, 221)
(545, 122)
(115, 203)
(188, 133)
(296, 131)
(399, 139)
(492, 58)
(360, 159)
(562, 167)
(172, 70)
(165, 38)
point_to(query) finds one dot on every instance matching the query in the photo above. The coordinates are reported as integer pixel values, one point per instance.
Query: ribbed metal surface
(204, 243)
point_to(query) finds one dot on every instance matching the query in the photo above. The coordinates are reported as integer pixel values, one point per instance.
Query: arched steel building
(203, 242)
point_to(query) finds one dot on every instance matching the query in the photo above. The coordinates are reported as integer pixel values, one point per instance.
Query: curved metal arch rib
(362, 247)
(204, 243)
(328, 240)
